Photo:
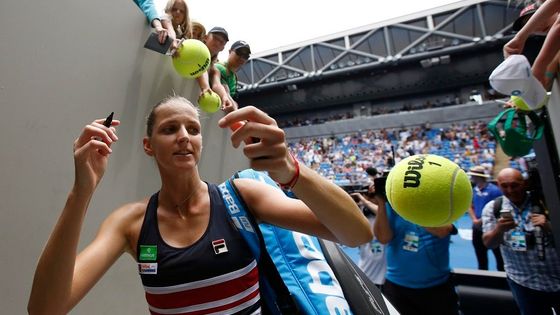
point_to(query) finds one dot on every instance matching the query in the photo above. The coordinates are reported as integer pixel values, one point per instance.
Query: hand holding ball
(210, 102)
(193, 59)
(428, 190)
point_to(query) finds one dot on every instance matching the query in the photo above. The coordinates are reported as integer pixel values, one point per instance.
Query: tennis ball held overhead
(210, 102)
(428, 190)
(193, 59)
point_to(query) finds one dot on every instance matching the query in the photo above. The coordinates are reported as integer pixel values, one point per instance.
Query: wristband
(289, 185)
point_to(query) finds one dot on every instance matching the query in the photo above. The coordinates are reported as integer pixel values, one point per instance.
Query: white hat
(514, 77)
(478, 171)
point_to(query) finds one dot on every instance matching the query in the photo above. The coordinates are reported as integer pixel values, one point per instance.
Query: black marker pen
(108, 120)
(106, 123)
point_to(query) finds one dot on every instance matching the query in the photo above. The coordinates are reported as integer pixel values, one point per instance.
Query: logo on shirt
(147, 268)
(148, 253)
(219, 246)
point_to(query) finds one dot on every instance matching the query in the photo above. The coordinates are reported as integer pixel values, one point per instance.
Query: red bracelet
(292, 182)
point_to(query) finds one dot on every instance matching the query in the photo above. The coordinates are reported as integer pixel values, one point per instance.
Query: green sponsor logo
(148, 252)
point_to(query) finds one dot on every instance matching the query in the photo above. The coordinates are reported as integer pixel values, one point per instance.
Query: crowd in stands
(344, 158)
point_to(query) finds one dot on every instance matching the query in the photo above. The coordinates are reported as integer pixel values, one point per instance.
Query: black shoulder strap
(361, 293)
(498, 206)
(284, 299)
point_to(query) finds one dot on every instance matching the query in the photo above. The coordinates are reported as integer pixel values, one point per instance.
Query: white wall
(62, 64)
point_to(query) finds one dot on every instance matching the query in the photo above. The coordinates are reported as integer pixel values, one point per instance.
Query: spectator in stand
(224, 81)
(483, 193)
(177, 13)
(198, 30)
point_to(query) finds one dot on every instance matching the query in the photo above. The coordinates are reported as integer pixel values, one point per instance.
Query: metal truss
(448, 28)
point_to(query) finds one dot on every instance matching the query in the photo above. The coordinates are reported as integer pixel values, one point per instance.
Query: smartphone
(506, 214)
(153, 43)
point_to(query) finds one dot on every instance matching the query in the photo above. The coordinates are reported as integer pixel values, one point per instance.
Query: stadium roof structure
(430, 37)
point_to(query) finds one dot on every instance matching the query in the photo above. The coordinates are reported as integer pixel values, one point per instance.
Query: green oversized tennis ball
(210, 102)
(521, 105)
(193, 59)
(428, 190)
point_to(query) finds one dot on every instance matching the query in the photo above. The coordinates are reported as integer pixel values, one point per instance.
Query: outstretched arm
(547, 60)
(228, 104)
(537, 22)
(59, 280)
(371, 206)
(323, 209)
(149, 10)
(203, 83)
(381, 227)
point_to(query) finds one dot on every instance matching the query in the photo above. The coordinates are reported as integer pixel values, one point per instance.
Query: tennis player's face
(176, 140)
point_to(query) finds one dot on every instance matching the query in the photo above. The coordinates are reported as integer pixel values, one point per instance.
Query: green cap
(515, 139)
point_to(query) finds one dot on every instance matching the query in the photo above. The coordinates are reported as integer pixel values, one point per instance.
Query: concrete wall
(63, 64)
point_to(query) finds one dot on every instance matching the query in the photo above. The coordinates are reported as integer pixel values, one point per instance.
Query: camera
(379, 183)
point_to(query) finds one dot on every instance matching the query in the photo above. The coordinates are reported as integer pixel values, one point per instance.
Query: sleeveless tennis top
(216, 275)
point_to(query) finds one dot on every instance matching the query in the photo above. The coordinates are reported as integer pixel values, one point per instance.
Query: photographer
(518, 224)
(418, 274)
(372, 254)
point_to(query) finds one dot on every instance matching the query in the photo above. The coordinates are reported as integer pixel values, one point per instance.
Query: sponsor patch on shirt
(147, 268)
(148, 253)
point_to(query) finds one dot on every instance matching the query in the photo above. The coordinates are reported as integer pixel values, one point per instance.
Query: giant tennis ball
(428, 190)
(210, 102)
(193, 59)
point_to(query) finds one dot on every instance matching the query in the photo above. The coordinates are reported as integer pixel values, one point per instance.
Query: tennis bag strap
(296, 258)
(276, 296)
(362, 294)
